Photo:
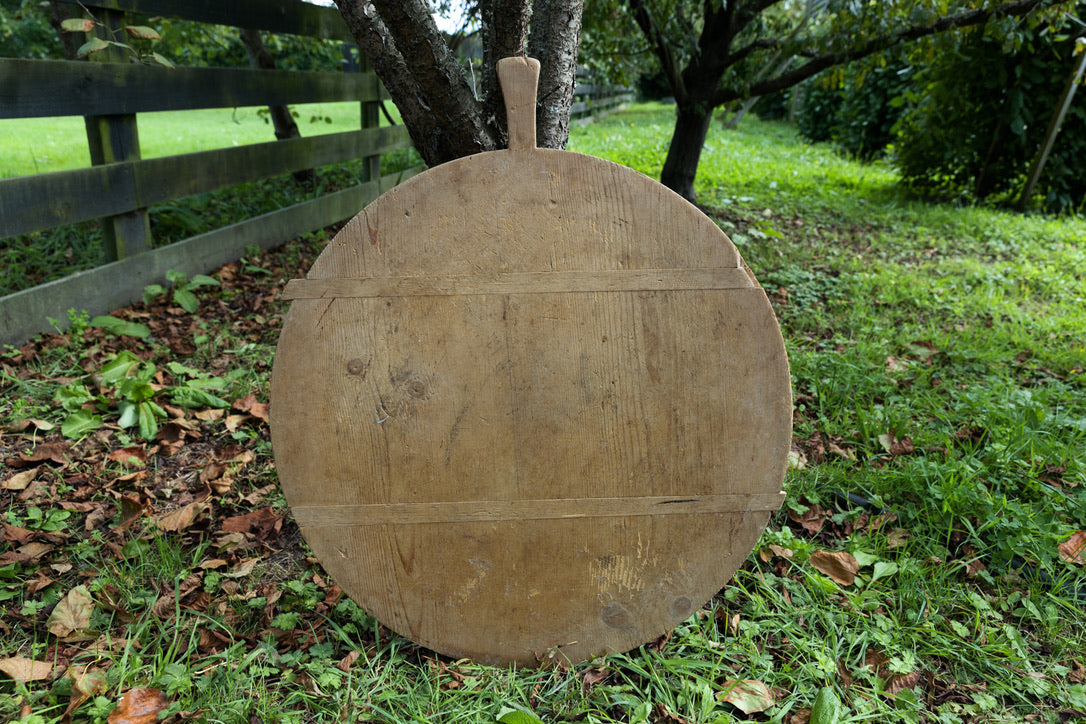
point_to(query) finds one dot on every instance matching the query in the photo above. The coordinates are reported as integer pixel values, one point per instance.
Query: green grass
(937, 359)
(44, 145)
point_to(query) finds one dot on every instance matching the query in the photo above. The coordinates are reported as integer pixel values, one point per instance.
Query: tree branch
(644, 19)
(821, 62)
(405, 48)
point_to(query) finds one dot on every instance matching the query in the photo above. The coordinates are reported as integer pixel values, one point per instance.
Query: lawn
(43, 145)
(926, 567)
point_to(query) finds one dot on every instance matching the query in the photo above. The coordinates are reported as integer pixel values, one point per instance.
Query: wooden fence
(120, 187)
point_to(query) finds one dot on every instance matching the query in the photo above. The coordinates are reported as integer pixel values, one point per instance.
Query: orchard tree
(716, 52)
(448, 112)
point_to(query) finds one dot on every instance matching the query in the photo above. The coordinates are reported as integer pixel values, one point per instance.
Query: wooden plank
(24, 314)
(551, 509)
(573, 282)
(279, 16)
(483, 473)
(31, 203)
(46, 88)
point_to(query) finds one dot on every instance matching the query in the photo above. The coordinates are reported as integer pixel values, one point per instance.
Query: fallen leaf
(347, 661)
(233, 422)
(128, 456)
(899, 682)
(593, 676)
(840, 566)
(72, 614)
(812, 520)
(1077, 674)
(19, 481)
(139, 706)
(24, 670)
(56, 452)
(1073, 550)
(182, 518)
(663, 716)
(249, 404)
(896, 447)
(86, 682)
(259, 522)
(747, 695)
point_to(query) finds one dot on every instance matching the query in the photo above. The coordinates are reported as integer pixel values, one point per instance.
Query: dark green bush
(977, 117)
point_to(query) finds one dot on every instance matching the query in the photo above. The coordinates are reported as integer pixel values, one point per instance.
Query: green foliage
(856, 107)
(25, 31)
(977, 116)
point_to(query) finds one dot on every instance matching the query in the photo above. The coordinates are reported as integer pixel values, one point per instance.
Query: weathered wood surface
(559, 470)
(283, 16)
(26, 313)
(31, 203)
(43, 88)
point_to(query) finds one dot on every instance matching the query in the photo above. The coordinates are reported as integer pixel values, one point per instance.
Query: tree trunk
(412, 59)
(555, 39)
(681, 164)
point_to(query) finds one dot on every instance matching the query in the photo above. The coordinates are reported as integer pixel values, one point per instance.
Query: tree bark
(555, 40)
(681, 164)
(505, 32)
(411, 57)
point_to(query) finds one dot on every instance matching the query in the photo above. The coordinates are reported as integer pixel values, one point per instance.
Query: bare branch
(820, 62)
(651, 30)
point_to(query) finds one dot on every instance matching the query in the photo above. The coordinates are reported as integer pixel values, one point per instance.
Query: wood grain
(528, 405)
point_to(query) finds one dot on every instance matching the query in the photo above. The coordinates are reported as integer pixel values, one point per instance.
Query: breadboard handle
(519, 78)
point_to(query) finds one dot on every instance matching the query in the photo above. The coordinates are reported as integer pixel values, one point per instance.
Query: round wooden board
(528, 405)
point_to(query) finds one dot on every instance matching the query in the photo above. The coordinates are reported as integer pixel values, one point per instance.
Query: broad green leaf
(148, 420)
(884, 569)
(826, 708)
(186, 300)
(151, 291)
(91, 46)
(77, 25)
(130, 416)
(161, 60)
(516, 716)
(142, 32)
(192, 398)
(121, 326)
(80, 423)
(119, 367)
(202, 280)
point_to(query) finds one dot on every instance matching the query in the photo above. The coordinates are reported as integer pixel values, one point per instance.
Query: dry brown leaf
(899, 682)
(24, 670)
(72, 614)
(56, 452)
(139, 706)
(1077, 674)
(19, 481)
(747, 695)
(812, 519)
(1073, 550)
(593, 676)
(347, 661)
(840, 566)
(129, 456)
(182, 518)
(249, 404)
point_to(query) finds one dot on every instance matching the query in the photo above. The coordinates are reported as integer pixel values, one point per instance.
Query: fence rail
(120, 187)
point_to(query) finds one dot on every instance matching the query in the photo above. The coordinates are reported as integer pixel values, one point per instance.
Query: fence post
(112, 139)
(371, 115)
